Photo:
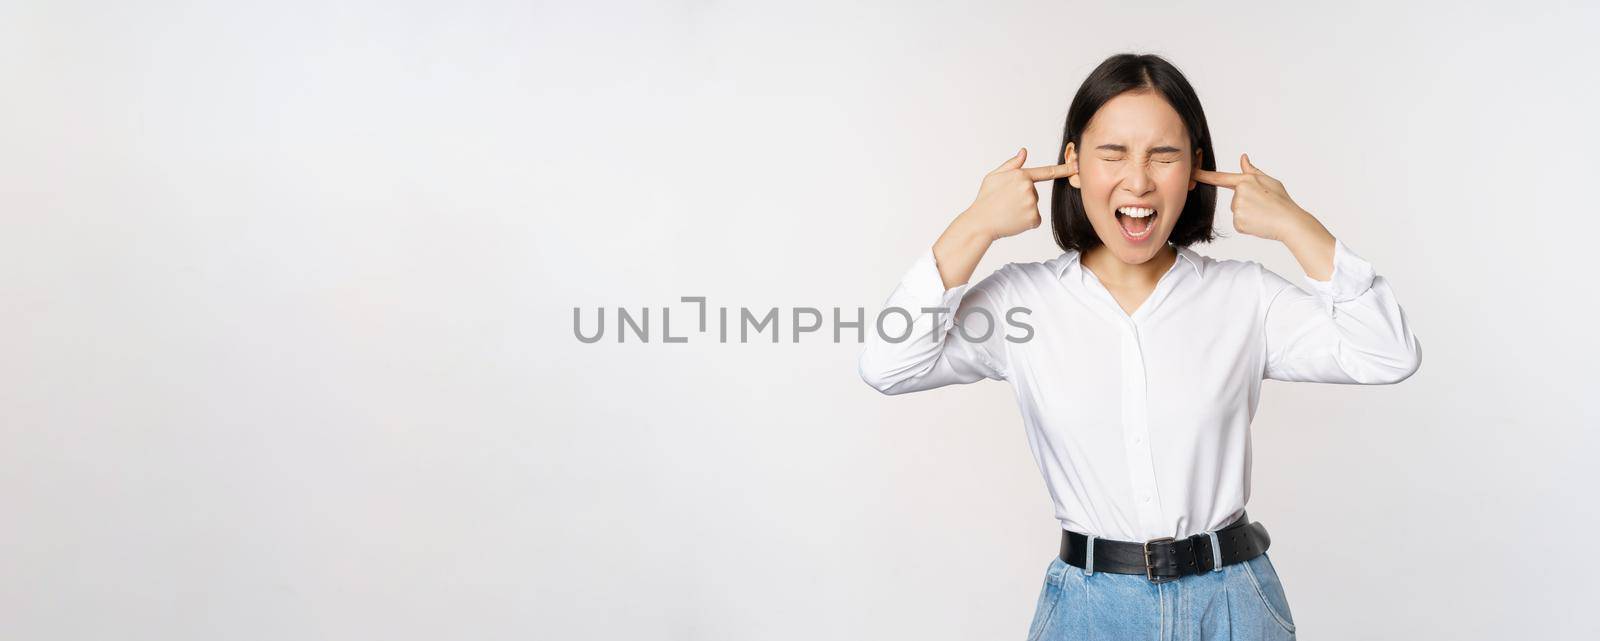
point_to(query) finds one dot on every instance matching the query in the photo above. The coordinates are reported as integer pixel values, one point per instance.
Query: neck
(1113, 271)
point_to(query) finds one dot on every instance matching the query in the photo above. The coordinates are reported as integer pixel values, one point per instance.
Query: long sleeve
(1348, 329)
(936, 351)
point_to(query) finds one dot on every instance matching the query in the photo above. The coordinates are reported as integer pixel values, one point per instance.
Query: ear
(1072, 163)
(1199, 155)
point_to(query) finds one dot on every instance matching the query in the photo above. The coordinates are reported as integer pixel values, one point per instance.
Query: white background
(286, 345)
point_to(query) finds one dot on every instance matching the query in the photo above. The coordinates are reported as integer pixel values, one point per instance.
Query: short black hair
(1120, 74)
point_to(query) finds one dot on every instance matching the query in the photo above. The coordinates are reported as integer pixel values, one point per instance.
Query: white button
(1138, 439)
(1147, 498)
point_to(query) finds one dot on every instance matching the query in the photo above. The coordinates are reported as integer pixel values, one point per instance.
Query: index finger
(1052, 172)
(1218, 178)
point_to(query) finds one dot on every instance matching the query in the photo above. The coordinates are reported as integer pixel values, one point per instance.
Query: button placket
(1135, 426)
(1138, 457)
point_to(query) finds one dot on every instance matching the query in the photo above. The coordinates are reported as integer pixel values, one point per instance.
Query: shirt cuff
(1352, 277)
(926, 287)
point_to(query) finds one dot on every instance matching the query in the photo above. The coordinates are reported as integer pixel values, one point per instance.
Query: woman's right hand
(1008, 202)
(1007, 205)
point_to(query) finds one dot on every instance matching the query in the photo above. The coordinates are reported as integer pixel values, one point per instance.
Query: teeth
(1136, 212)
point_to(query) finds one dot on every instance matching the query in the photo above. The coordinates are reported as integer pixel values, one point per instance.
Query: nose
(1138, 181)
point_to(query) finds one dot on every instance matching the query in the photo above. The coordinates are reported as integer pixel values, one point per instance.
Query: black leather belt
(1168, 559)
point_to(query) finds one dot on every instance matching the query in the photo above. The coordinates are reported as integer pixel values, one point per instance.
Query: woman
(1143, 360)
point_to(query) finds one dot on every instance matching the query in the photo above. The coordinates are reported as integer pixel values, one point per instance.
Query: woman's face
(1135, 154)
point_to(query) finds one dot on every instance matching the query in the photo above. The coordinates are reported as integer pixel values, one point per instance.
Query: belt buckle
(1149, 570)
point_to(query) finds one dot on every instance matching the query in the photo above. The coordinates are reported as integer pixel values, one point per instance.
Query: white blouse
(1141, 424)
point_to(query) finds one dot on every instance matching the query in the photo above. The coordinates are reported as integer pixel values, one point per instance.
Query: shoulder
(1237, 284)
(1225, 270)
(1024, 279)
(1244, 280)
(1237, 280)
(1039, 271)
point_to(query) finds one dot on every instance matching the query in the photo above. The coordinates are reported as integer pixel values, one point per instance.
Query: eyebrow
(1164, 149)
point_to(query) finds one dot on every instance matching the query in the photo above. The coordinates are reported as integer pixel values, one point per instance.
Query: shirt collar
(1068, 260)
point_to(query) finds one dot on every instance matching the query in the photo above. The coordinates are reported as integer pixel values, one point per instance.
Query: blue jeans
(1242, 601)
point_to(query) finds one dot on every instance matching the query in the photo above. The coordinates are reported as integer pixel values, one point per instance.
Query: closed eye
(1122, 159)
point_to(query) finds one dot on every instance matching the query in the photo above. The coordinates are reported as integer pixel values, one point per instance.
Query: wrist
(1313, 246)
(968, 230)
(964, 236)
(1304, 228)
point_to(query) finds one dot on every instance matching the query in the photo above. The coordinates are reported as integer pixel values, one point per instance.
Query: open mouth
(1136, 222)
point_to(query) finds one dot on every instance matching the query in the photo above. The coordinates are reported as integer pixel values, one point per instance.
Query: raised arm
(932, 350)
(935, 293)
(1349, 328)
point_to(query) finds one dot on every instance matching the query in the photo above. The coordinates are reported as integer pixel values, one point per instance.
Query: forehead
(1140, 118)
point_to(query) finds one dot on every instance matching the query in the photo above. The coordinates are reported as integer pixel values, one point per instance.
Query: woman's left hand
(1261, 207)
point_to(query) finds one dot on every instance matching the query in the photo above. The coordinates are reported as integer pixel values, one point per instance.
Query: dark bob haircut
(1120, 74)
